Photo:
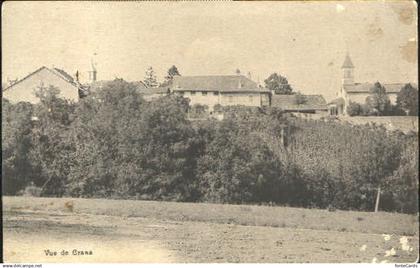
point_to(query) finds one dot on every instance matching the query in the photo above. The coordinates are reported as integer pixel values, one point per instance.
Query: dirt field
(141, 231)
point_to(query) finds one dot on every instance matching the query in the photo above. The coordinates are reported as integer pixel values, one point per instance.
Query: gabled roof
(223, 83)
(64, 74)
(338, 101)
(365, 87)
(139, 84)
(347, 62)
(289, 102)
(58, 72)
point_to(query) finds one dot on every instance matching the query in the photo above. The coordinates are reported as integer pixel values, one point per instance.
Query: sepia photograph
(210, 132)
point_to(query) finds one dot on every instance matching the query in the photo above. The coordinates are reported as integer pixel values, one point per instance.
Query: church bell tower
(348, 71)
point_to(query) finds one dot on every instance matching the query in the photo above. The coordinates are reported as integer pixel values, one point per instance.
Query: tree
(407, 100)
(278, 84)
(17, 169)
(51, 152)
(173, 71)
(378, 102)
(354, 109)
(150, 78)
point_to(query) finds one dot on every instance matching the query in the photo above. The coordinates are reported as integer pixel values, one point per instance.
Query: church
(352, 91)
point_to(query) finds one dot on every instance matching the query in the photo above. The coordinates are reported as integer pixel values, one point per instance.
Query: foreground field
(142, 231)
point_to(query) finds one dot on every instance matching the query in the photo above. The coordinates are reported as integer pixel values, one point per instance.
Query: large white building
(351, 91)
(25, 88)
(224, 90)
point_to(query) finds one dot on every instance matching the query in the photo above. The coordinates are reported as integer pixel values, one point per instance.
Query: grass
(316, 219)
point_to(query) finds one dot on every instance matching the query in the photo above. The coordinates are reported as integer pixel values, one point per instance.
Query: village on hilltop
(212, 91)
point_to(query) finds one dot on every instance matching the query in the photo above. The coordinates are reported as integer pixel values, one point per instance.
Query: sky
(304, 41)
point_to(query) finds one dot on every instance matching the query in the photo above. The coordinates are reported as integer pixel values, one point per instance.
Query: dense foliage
(278, 84)
(408, 100)
(379, 104)
(113, 144)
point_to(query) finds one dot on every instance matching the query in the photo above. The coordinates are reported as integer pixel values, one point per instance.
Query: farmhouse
(351, 91)
(24, 89)
(224, 90)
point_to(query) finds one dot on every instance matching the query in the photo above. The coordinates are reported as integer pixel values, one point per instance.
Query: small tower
(92, 73)
(348, 71)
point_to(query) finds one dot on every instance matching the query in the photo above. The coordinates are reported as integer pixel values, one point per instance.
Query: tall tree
(378, 102)
(173, 71)
(150, 78)
(278, 84)
(408, 100)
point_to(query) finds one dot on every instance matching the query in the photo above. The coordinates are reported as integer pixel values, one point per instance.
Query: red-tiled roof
(365, 87)
(224, 83)
(290, 102)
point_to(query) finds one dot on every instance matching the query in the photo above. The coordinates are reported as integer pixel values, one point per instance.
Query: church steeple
(348, 71)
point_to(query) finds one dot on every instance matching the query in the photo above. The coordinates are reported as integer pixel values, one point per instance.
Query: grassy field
(148, 231)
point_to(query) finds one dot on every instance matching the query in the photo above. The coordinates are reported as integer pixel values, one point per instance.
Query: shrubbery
(113, 144)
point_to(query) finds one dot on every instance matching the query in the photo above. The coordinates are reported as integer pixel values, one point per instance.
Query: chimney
(249, 76)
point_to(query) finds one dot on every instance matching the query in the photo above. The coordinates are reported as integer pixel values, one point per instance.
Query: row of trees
(113, 144)
(378, 102)
(150, 79)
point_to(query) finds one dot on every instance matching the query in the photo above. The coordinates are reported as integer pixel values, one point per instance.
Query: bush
(112, 143)
(354, 109)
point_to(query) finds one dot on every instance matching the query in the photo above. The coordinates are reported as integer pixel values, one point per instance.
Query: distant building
(314, 104)
(351, 91)
(224, 90)
(25, 88)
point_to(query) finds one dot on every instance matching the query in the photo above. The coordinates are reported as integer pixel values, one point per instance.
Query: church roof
(365, 87)
(224, 83)
(289, 102)
(347, 62)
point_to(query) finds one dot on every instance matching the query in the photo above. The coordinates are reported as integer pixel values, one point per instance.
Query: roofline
(30, 74)
(37, 70)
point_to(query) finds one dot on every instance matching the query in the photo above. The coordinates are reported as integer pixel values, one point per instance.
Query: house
(314, 104)
(224, 90)
(25, 88)
(351, 91)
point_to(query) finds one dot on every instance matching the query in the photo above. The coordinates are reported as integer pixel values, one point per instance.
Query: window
(181, 93)
(250, 98)
(192, 93)
(204, 93)
(215, 93)
(230, 98)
